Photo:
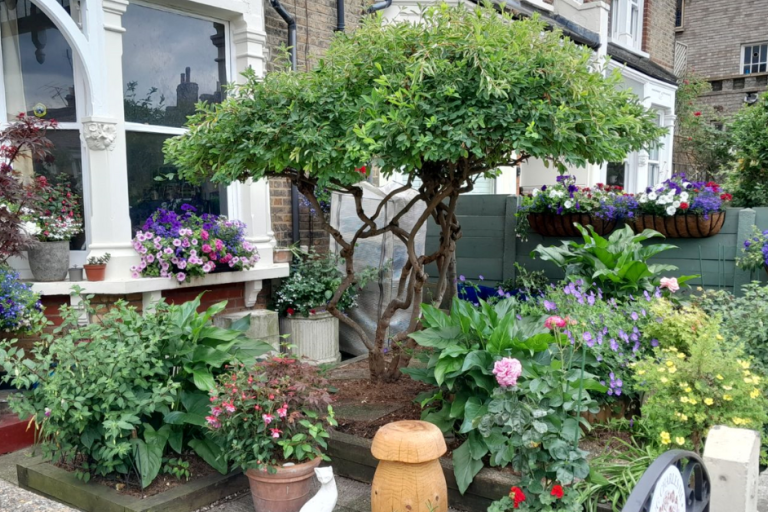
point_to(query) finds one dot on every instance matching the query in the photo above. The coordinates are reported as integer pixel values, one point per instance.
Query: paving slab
(15, 499)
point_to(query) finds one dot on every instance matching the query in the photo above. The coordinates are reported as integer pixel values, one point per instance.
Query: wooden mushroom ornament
(409, 477)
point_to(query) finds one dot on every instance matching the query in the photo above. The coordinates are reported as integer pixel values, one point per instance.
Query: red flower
(290, 311)
(726, 197)
(557, 491)
(684, 206)
(517, 496)
(311, 311)
(686, 82)
(697, 114)
(361, 170)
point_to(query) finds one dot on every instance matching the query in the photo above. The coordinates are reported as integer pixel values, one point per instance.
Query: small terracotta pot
(680, 225)
(95, 272)
(552, 224)
(287, 490)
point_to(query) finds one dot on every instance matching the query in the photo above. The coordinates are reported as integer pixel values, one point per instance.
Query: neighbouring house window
(627, 23)
(39, 80)
(617, 173)
(679, 13)
(755, 58)
(171, 61)
(482, 185)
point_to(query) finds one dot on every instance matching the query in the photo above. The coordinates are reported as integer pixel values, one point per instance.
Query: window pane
(67, 165)
(37, 63)
(747, 54)
(146, 194)
(653, 174)
(170, 62)
(616, 173)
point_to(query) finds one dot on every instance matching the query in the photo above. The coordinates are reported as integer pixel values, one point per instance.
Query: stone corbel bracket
(99, 135)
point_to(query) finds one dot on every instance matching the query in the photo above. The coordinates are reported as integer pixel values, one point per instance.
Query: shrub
(678, 327)
(755, 251)
(313, 282)
(271, 413)
(182, 246)
(618, 265)
(687, 395)
(748, 179)
(114, 395)
(20, 308)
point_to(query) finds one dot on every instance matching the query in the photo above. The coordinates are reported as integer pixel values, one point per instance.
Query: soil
(198, 468)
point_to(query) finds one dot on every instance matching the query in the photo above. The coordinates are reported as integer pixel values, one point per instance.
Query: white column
(669, 147)
(109, 221)
(249, 201)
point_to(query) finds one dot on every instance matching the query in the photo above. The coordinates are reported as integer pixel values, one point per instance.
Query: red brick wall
(233, 293)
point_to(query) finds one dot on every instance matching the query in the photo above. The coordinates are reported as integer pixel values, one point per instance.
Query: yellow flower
(692, 401)
(747, 373)
(680, 355)
(684, 399)
(744, 364)
(670, 363)
(755, 393)
(719, 337)
(708, 401)
(680, 440)
(719, 377)
(672, 349)
(748, 380)
(684, 417)
(688, 390)
(756, 379)
(641, 372)
(664, 380)
(727, 398)
(665, 438)
(727, 388)
(662, 369)
(738, 421)
(672, 370)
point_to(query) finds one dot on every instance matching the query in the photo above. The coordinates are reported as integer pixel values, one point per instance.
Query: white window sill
(640, 53)
(157, 284)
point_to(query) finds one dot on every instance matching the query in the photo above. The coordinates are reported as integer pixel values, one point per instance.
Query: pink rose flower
(670, 283)
(554, 321)
(507, 371)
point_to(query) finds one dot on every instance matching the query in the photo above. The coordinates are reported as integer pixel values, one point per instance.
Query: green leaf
(211, 453)
(210, 356)
(440, 337)
(477, 446)
(176, 440)
(474, 410)
(89, 435)
(203, 379)
(465, 467)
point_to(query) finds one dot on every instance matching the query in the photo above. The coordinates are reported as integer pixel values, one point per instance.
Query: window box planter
(680, 225)
(551, 224)
(46, 479)
(315, 337)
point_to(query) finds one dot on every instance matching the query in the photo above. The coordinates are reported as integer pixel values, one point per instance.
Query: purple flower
(481, 278)
(181, 276)
(549, 305)
(176, 242)
(634, 316)
(462, 278)
(654, 343)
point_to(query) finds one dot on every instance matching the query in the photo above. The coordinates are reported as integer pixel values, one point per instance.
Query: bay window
(170, 62)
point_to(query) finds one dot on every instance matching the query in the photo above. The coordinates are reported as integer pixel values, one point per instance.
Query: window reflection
(170, 62)
(147, 193)
(37, 63)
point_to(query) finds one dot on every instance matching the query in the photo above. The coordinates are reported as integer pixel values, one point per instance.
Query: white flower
(676, 204)
(536, 192)
(684, 196)
(642, 199)
(569, 204)
(31, 228)
(671, 210)
(686, 184)
(652, 196)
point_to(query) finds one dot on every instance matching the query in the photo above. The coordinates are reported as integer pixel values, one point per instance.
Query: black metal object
(695, 480)
(378, 6)
(340, 16)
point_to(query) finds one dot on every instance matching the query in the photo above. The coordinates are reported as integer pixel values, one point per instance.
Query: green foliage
(466, 86)
(270, 413)
(531, 281)
(614, 475)
(517, 426)
(99, 260)
(744, 318)
(687, 395)
(748, 179)
(618, 265)
(678, 327)
(176, 467)
(313, 281)
(755, 251)
(112, 396)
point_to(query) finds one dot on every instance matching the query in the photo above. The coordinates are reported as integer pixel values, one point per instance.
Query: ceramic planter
(315, 337)
(681, 225)
(49, 261)
(551, 224)
(95, 272)
(286, 490)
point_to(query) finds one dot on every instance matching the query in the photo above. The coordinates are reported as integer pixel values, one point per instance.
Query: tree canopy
(446, 100)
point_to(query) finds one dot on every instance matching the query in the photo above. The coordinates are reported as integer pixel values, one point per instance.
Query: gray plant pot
(49, 261)
(76, 275)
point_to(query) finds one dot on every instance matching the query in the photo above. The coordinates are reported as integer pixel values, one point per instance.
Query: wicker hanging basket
(551, 224)
(681, 225)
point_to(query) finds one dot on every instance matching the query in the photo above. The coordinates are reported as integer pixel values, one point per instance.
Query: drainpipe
(379, 6)
(339, 16)
(277, 6)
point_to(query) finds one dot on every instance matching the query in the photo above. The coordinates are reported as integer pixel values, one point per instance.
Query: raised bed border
(63, 486)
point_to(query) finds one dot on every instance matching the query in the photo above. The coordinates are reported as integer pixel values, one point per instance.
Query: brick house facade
(727, 44)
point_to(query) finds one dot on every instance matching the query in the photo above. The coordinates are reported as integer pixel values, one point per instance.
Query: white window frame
(743, 64)
(624, 32)
(655, 154)
(76, 257)
(173, 130)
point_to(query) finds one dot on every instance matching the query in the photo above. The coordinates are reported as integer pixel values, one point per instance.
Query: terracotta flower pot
(551, 224)
(95, 272)
(681, 225)
(287, 490)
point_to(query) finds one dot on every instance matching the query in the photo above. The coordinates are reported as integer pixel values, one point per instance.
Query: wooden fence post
(747, 219)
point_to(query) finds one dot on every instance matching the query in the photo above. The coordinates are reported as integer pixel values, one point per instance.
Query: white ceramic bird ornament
(325, 499)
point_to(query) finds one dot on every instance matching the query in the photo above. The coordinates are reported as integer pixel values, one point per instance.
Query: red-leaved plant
(272, 413)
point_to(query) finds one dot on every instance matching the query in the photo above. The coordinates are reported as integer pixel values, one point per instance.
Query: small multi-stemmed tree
(444, 101)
